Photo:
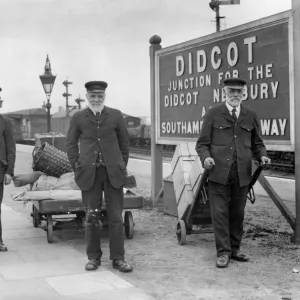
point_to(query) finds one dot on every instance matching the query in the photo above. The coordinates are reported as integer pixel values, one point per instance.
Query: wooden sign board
(189, 80)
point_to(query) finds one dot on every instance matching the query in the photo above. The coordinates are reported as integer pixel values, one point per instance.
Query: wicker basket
(50, 160)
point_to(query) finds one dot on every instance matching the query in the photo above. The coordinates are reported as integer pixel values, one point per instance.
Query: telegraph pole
(218, 18)
(215, 6)
(66, 83)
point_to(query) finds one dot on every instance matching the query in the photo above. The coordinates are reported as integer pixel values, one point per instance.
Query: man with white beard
(99, 166)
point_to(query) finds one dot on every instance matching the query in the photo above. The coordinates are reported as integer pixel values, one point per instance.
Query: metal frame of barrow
(198, 212)
(45, 209)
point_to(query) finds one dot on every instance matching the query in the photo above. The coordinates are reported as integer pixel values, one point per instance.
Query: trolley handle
(256, 174)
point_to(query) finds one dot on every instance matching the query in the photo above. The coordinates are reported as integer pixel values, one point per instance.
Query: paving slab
(32, 269)
(44, 269)
(49, 253)
(16, 225)
(10, 257)
(23, 233)
(21, 289)
(29, 243)
(2, 281)
(122, 294)
(87, 283)
(10, 218)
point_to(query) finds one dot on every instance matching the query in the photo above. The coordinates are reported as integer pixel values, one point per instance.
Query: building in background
(131, 121)
(60, 122)
(27, 122)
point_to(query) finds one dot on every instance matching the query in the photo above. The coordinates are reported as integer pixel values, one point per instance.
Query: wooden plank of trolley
(189, 80)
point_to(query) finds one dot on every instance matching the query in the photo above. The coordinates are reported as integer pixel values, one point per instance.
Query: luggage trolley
(198, 212)
(44, 210)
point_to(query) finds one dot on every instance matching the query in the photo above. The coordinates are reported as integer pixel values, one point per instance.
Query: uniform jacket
(220, 135)
(7, 148)
(110, 137)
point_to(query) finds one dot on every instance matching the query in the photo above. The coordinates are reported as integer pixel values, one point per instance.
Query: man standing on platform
(7, 161)
(229, 136)
(99, 166)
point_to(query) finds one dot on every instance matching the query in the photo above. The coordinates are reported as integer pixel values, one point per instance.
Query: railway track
(147, 152)
(274, 169)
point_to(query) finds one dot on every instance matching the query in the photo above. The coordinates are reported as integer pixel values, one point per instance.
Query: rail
(147, 152)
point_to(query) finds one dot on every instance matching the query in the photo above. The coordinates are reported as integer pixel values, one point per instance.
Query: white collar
(230, 108)
(95, 112)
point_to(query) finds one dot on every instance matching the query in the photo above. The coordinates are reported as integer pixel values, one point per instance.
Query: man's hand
(7, 179)
(209, 163)
(265, 160)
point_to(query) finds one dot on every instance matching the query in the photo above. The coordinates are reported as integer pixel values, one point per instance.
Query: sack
(50, 160)
(66, 182)
(130, 182)
(46, 195)
(19, 196)
(45, 183)
(24, 179)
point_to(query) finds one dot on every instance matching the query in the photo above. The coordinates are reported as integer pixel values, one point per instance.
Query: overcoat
(220, 136)
(7, 148)
(86, 138)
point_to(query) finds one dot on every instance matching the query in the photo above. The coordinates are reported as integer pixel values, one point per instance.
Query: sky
(101, 40)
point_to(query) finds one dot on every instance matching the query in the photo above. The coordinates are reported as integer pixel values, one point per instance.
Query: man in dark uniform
(229, 136)
(7, 161)
(99, 166)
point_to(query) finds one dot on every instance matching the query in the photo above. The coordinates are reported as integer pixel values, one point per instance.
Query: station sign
(189, 80)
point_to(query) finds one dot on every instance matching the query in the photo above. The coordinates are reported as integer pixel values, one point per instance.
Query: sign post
(296, 51)
(156, 155)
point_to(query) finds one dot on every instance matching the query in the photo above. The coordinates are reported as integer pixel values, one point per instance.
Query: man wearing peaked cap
(96, 86)
(100, 166)
(7, 161)
(229, 136)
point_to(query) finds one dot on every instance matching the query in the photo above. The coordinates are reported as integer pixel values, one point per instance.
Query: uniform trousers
(114, 199)
(1, 197)
(227, 205)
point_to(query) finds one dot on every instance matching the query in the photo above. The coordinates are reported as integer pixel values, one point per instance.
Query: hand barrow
(46, 209)
(198, 212)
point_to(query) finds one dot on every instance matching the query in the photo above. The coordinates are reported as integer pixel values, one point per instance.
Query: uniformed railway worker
(99, 166)
(7, 161)
(229, 136)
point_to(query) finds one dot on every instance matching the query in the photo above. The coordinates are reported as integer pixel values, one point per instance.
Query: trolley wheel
(181, 232)
(36, 218)
(129, 225)
(49, 229)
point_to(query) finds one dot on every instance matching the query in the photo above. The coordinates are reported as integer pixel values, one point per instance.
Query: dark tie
(234, 115)
(98, 116)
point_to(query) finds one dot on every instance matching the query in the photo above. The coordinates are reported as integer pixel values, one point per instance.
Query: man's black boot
(2, 247)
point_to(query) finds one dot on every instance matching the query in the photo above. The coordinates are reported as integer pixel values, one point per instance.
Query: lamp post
(48, 81)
